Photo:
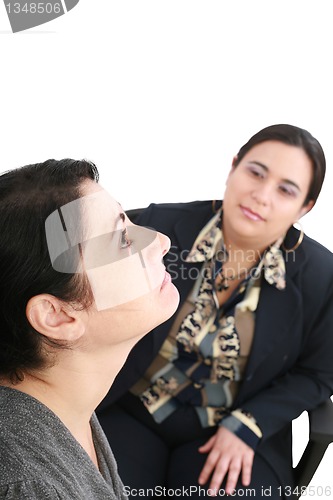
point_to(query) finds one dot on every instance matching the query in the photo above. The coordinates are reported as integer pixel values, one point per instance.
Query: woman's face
(265, 194)
(132, 291)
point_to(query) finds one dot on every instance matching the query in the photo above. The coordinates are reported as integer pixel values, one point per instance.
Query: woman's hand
(228, 455)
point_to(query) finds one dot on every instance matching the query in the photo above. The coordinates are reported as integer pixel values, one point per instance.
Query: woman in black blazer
(212, 392)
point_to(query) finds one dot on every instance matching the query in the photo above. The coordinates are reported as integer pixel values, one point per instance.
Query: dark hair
(294, 136)
(28, 195)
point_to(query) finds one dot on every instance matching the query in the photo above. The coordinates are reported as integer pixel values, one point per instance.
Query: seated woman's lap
(156, 458)
(186, 463)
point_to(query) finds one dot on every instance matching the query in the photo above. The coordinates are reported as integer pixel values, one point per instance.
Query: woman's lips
(167, 279)
(251, 215)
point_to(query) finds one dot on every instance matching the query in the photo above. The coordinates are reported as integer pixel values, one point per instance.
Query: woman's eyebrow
(292, 183)
(122, 215)
(118, 223)
(288, 181)
(260, 165)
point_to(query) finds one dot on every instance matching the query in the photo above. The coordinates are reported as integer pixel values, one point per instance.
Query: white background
(161, 95)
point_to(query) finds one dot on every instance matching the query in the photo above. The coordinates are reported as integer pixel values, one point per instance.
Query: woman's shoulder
(316, 250)
(304, 248)
(317, 268)
(310, 266)
(181, 207)
(171, 213)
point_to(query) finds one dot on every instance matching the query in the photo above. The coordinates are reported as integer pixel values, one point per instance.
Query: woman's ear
(233, 166)
(234, 162)
(54, 318)
(306, 208)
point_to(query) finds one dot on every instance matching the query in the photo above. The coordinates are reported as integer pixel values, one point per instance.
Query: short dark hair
(28, 195)
(294, 136)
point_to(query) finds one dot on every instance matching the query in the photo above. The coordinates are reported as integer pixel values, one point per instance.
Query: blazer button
(196, 385)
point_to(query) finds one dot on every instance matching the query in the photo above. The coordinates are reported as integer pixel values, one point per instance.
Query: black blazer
(290, 368)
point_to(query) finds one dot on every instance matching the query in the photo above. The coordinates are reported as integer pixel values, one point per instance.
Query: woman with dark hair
(80, 285)
(213, 391)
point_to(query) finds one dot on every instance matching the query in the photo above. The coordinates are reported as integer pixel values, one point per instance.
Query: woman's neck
(241, 249)
(73, 388)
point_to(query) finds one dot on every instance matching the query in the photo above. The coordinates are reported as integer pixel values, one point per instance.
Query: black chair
(320, 428)
(320, 436)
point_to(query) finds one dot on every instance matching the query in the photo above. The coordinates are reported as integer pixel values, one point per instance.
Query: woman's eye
(125, 242)
(288, 191)
(256, 172)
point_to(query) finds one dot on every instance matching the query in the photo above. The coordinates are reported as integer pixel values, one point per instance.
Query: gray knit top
(41, 460)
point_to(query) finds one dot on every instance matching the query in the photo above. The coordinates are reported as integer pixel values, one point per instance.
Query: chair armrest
(321, 423)
(320, 436)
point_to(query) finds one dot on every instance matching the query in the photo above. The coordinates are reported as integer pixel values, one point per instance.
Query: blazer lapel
(277, 313)
(275, 317)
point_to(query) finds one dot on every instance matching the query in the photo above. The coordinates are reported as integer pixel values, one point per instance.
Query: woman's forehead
(82, 219)
(101, 213)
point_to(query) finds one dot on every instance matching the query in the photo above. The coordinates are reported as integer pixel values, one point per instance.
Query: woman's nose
(263, 194)
(165, 243)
